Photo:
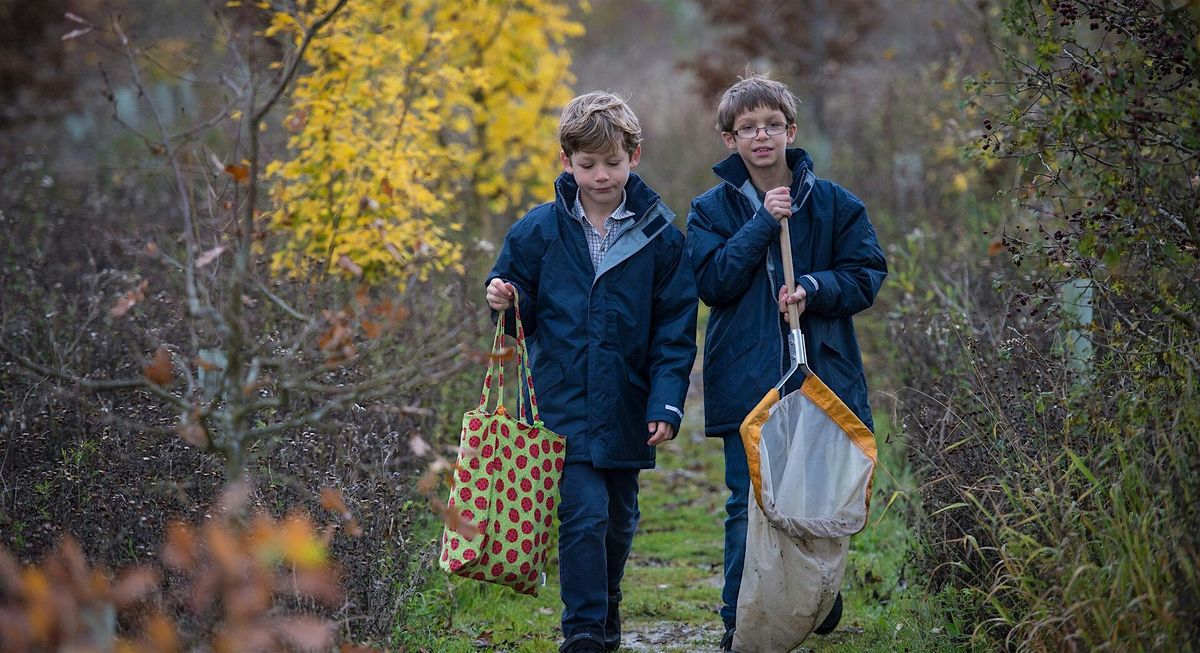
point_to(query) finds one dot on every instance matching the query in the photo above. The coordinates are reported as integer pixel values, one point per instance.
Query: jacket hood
(732, 170)
(639, 197)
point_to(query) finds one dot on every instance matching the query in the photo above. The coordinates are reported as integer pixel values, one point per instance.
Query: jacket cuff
(666, 413)
(773, 224)
(810, 285)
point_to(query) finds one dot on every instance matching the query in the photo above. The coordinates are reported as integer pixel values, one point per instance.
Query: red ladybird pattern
(505, 482)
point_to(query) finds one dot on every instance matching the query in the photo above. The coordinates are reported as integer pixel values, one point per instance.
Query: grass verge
(673, 579)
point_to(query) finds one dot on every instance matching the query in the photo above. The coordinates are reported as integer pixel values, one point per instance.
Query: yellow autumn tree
(418, 118)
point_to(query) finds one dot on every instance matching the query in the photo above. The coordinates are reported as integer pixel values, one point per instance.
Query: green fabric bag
(505, 482)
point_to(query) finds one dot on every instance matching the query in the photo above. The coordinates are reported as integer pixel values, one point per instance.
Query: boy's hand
(660, 432)
(500, 294)
(798, 297)
(778, 202)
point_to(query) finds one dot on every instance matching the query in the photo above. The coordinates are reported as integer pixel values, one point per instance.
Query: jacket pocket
(548, 376)
(637, 380)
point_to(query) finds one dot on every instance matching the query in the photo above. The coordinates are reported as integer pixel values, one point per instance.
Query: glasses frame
(764, 128)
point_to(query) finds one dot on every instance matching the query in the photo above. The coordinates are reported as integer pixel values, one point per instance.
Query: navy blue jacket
(611, 349)
(733, 245)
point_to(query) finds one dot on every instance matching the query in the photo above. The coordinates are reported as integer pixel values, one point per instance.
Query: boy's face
(762, 150)
(601, 176)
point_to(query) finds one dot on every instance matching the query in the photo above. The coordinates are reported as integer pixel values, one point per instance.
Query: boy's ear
(730, 142)
(791, 133)
(566, 161)
(635, 157)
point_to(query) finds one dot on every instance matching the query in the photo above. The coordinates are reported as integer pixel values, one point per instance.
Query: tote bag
(505, 482)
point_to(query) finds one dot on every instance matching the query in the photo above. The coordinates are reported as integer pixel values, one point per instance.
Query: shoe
(831, 619)
(583, 646)
(612, 627)
(727, 640)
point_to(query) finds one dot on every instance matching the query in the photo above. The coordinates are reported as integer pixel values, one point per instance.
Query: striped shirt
(614, 226)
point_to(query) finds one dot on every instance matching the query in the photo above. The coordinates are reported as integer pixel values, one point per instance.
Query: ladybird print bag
(505, 483)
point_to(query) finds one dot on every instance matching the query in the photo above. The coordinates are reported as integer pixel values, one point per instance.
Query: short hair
(754, 92)
(598, 122)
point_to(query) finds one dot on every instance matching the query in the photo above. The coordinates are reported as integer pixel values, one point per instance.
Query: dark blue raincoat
(733, 245)
(611, 348)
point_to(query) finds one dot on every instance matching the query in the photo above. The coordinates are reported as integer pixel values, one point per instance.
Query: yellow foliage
(414, 119)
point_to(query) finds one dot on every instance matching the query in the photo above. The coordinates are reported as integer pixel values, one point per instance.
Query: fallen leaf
(209, 256)
(331, 499)
(193, 433)
(371, 329)
(502, 355)
(240, 173)
(158, 371)
(179, 551)
(418, 446)
(995, 247)
(134, 585)
(346, 263)
(385, 187)
(130, 299)
(306, 633)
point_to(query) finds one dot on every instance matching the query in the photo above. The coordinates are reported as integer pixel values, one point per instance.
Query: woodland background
(242, 247)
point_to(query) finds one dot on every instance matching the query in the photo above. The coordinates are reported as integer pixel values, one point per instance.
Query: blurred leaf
(130, 299)
(305, 633)
(418, 446)
(995, 247)
(502, 355)
(331, 499)
(240, 173)
(346, 263)
(371, 329)
(209, 256)
(179, 550)
(158, 371)
(133, 585)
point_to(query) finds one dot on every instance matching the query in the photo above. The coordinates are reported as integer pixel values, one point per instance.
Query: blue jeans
(737, 479)
(598, 516)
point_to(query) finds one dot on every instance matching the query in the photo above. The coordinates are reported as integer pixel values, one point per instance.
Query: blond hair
(598, 122)
(754, 92)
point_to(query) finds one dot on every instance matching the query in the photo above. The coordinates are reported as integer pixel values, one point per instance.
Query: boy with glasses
(733, 245)
(608, 302)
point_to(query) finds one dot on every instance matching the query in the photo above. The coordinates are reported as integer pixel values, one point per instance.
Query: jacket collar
(733, 170)
(639, 198)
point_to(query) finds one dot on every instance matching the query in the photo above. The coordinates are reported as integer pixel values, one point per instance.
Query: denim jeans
(737, 479)
(598, 516)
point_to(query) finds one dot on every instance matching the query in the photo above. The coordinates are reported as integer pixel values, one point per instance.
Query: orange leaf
(130, 299)
(134, 585)
(179, 551)
(305, 633)
(502, 355)
(385, 187)
(161, 634)
(240, 173)
(192, 432)
(996, 247)
(371, 329)
(158, 371)
(331, 499)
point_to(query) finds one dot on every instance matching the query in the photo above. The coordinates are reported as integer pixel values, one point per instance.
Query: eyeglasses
(747, 132)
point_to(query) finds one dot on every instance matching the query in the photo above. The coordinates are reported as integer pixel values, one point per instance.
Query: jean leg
(737, 479)
(583, 521)
(623, 516)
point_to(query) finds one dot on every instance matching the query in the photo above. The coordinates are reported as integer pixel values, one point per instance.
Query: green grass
(673, 579)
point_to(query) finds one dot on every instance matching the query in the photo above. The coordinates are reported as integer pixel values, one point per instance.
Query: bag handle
(496, 370)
